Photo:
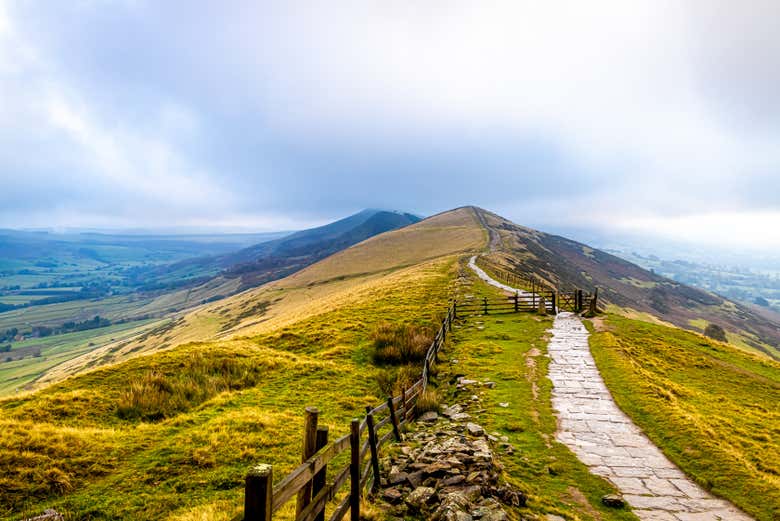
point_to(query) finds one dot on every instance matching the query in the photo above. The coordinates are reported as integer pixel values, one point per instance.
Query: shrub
(385, 380)
(400, 344)
(393, 380)
(156, 394)
(427, 401)
(715, 332)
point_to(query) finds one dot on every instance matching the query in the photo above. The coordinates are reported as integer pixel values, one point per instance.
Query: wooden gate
(567, 301)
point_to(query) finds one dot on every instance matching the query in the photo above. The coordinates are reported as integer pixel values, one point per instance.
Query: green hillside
(627, 288)
(713, 409)
(170, 435)
(163, 425)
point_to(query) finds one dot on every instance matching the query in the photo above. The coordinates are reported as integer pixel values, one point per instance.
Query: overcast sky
(659, 117)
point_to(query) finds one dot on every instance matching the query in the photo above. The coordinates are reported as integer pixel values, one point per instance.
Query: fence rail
(576, 301)
(512, 304)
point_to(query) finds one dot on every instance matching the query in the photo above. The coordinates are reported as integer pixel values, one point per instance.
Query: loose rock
(613, 500)
(474, 429)
(446, 471)
(420, 497)
(430, 416)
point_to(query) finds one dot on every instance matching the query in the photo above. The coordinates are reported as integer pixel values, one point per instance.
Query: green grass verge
(714, 410)
(510, 350)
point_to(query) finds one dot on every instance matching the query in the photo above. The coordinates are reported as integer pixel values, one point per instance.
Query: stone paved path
(607, 441)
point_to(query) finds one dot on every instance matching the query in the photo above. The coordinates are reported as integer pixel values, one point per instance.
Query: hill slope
(167, 430)
(714, 409)
(289, 254)
(162, 291)
(159, 436)
(567, 264)
(321, 285)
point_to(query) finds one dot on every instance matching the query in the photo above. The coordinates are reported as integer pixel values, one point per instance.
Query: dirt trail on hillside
(607, 441)
(494, 241)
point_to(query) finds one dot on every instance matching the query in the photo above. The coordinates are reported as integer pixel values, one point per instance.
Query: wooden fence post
(594, 302)
(517, 301)
(309, 448)
(533, 293)
(393, 419)
(484, 304)
(354, 470)
(258, 493)
(373, 447)
(554, 307)
(318, 482)
(455, 309)
(443, 331)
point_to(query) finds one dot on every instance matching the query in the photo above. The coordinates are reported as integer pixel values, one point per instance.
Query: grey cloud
(246, 110)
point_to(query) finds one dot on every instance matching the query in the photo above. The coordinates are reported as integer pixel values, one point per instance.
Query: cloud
(248, 111)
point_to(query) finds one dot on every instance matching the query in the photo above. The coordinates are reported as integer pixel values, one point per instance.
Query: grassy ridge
(177, 447)
(325, 285)
(714, 410)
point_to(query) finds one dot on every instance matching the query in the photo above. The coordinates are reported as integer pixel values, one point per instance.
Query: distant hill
(141, 284)
(566, 264)
(332, 282)
(232, 272)
(273, 259)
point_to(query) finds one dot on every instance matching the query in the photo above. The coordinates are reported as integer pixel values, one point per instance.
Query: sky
(655, 118)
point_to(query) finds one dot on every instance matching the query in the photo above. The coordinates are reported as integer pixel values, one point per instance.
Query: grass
(429, 400)
(713, 409)
(509, 350)
(332, 283)
(170, 435)
(400, 344)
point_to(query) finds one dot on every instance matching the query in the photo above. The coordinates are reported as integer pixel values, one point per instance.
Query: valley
(51, 284)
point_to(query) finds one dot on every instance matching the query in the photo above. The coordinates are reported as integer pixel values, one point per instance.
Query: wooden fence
(576, 301)
(513, 304)
(510, 278)
(314, 484)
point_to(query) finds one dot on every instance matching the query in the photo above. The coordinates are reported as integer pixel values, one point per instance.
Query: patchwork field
(30, 359)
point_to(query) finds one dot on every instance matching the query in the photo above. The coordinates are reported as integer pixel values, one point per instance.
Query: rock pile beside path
(446, 469)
